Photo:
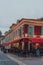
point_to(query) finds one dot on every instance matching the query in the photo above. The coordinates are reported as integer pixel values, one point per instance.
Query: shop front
(37, 44)
(25, 46)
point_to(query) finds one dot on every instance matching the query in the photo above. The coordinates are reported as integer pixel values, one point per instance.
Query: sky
(12, 10)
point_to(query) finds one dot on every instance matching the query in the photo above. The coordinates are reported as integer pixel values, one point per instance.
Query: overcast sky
(11, 10)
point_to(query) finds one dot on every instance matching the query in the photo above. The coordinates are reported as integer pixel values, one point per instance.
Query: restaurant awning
(15, 41)
(5, 44)
(18, 40)
(36, 40)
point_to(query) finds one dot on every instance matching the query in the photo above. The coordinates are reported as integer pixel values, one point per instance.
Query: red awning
(36, 40)
(18, 40)
(15, 41)
(25, 39)
(4, 44)
(11, 42)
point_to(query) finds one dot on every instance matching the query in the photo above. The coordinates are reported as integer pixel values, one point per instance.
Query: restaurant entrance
(26, 46)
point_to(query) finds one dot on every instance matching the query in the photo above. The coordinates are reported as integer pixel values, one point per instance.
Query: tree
(41, 19)
(0, 33)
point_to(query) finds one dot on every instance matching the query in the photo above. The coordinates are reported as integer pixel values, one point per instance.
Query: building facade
(25, 35)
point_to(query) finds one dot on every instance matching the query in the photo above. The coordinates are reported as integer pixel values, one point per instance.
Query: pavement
(26, 60)
(11, 59)
(4, 60)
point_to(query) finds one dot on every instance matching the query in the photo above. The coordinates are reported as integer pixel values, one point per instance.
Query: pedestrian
(37, 52)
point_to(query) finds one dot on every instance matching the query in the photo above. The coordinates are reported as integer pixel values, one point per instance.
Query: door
(26, 46)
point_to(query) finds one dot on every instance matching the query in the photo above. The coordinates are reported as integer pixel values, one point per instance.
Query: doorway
(26, 46)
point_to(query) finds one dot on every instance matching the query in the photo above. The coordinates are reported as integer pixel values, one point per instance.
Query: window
(37, 30)
(42, 30)
(30, 31)
(19, 32)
